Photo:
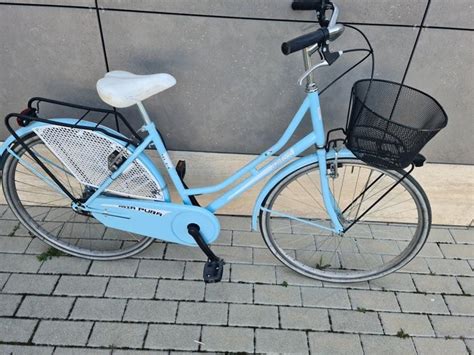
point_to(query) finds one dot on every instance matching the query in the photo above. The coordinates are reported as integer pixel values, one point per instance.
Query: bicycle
(347, 212)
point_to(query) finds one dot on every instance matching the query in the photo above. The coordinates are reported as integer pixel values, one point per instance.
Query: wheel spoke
(369, 248)
(47, 211)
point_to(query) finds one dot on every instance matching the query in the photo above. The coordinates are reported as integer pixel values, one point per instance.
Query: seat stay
(136, 153)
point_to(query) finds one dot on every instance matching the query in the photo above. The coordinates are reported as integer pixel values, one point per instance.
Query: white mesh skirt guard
(85, 153)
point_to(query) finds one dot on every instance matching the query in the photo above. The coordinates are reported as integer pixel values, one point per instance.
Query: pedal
(181, 169)
(214, 266)
(213, 271)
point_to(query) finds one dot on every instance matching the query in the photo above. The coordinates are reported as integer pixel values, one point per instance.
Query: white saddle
(123, 89)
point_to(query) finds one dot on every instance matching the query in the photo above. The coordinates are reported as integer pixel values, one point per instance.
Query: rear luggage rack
(106, 115)
(80, 138)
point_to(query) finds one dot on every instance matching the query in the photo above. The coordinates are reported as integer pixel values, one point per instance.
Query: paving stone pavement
(157, 303)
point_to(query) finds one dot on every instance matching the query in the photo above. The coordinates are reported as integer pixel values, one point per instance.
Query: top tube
(250, 167)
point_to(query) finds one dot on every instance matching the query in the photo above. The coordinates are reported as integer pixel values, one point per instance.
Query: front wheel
(294, 222)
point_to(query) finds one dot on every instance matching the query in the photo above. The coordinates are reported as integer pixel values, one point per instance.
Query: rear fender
(297, 164)
(22, 132)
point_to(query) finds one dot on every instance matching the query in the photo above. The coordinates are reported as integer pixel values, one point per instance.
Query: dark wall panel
(455, 13)
(52, 52)
(400, 12)
(236, 92)
(442, 67)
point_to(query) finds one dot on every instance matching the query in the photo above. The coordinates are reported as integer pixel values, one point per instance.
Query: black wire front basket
(389, 123)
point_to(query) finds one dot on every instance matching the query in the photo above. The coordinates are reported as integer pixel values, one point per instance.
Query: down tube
(251, 167)
(269, 168)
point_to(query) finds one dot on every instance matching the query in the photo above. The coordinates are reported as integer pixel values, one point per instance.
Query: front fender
(297, 164)
(24, 131)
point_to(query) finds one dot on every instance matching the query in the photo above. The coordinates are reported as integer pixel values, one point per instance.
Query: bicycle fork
(318, 127)
(328, 197)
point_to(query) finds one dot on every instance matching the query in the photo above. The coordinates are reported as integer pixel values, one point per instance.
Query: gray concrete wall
(236, 92)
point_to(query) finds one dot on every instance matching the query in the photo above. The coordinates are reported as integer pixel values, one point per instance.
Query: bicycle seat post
(143, 112)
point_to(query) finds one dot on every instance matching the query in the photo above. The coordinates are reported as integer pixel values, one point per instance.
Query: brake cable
(370, 53)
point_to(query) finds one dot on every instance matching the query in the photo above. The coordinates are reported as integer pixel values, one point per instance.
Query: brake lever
(310, 70)
(334, 15)
(330, 57)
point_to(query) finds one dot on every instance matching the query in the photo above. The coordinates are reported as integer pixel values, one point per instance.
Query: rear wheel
(294, 222)
(46, 211)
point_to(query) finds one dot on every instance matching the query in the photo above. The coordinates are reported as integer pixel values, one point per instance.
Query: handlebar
(307, 5)
(304, 41)
(329, 30)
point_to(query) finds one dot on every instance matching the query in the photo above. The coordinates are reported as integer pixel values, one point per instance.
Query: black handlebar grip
(306, 5)
(304, 41)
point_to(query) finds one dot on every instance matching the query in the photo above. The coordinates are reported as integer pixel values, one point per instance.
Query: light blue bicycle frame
(316, 137)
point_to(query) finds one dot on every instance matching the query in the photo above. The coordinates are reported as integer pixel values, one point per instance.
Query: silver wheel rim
(407, 254)
(12, 195)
